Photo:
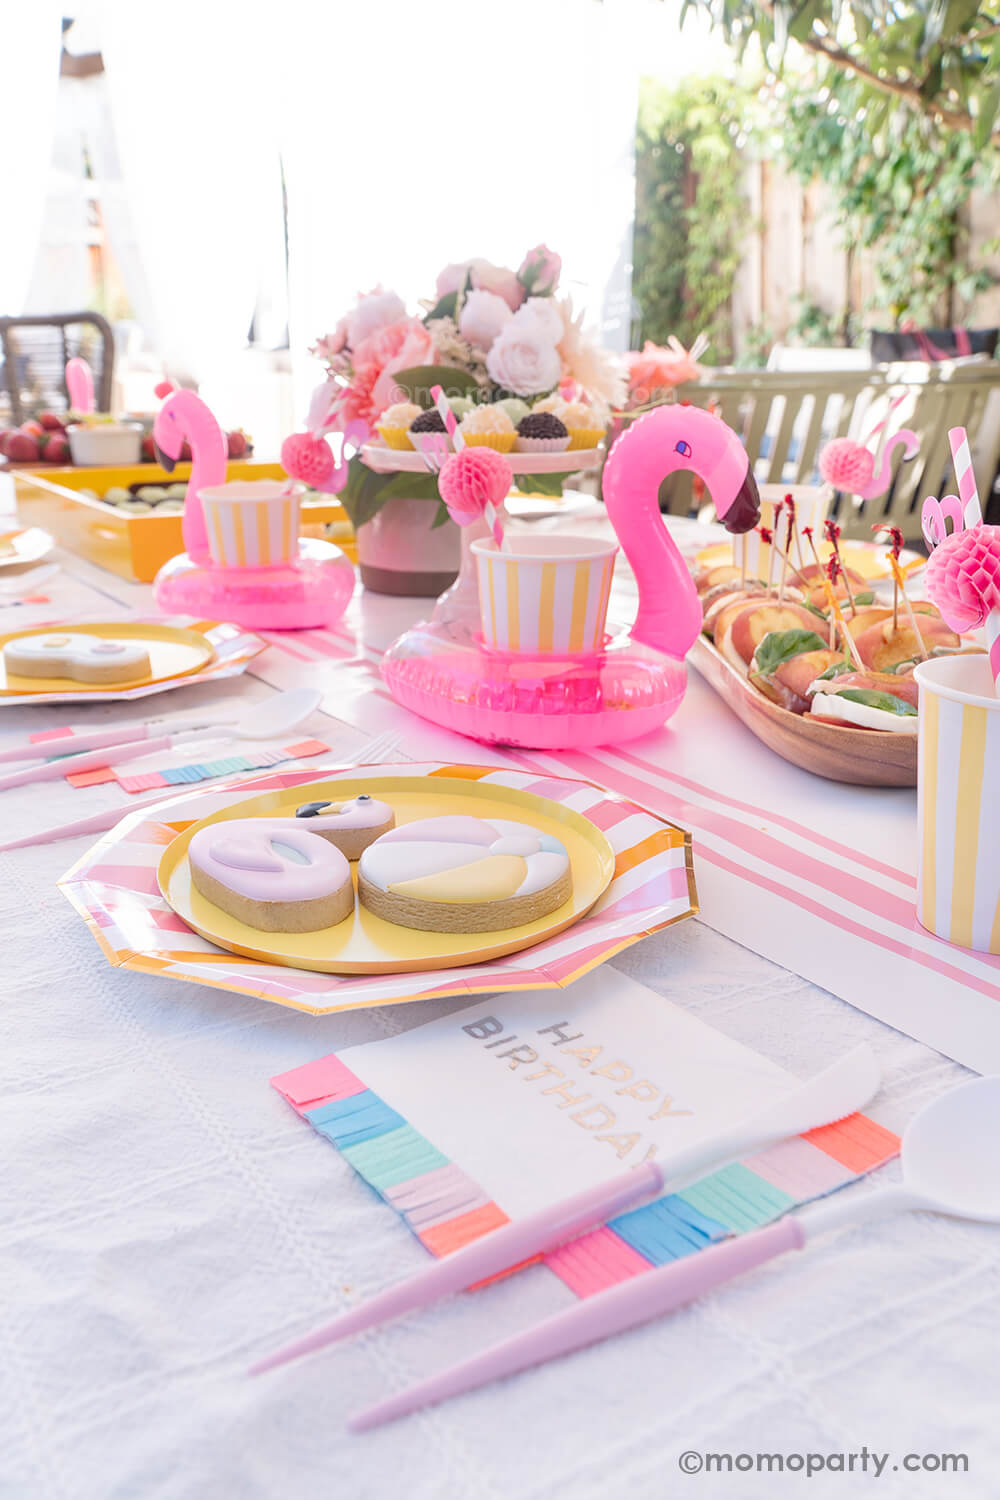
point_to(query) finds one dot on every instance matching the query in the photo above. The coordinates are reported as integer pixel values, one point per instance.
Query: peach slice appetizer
(880, 647)
(811, 578)
(789, 684)
(873, 614)
(740, 637)
(708, 578)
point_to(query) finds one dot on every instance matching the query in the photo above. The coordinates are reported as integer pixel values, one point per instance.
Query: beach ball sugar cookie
(82, 658)
(464, 874)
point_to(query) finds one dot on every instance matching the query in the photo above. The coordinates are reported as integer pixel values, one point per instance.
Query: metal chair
(35, 352)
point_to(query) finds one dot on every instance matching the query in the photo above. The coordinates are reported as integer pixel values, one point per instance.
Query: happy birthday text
(563, 1083)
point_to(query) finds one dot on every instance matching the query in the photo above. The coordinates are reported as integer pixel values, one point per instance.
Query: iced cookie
(84, 658)
(464, 874)
(349, 826)
(272, 874)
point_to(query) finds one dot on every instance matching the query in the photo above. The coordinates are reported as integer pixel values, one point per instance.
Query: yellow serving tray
(138, 546)
(364, 943)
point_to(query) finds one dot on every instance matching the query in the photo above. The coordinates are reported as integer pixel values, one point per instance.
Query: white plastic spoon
(950, 1166)
(120, 742)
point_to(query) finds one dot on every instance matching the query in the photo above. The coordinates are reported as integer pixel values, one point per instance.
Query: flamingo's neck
(879, 483)
(669, 614)
(208, 466)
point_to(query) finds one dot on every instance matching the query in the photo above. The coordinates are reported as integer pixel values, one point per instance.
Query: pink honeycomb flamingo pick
(849, 466)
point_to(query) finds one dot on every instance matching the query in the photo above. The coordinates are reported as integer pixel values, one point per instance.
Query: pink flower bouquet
(489, 335)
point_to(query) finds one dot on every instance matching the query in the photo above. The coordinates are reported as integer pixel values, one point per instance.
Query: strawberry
(57, 449)
(5, 433)
(33, 429)
(22, 448)
(237, 443)
(149, 450)
(185, 452)
(51, 421)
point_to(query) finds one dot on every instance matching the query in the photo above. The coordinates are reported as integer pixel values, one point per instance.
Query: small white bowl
(107, 444)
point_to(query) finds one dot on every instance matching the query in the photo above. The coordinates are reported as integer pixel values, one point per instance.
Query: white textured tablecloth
(166, 1218)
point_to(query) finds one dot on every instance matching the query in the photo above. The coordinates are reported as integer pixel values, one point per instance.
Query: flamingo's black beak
(744, 513)
(163, 459)
(311, 809)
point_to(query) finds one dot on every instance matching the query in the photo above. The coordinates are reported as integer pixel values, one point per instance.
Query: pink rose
(482, 317)
(401, 346)
(489, 278)
(375, 309)
(451, 278)
(547, 315)
(539, 270)
(524, 359)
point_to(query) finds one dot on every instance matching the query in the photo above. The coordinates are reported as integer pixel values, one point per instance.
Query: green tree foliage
(939, 58)
(899, 182)
(894, 105)
(690, 210)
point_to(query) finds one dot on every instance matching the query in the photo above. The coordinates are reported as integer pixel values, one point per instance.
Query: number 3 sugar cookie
(83, 658)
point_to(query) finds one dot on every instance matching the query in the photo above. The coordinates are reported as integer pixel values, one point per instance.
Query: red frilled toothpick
(832, 533)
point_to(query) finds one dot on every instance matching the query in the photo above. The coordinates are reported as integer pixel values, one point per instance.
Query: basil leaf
(836, 670)
(781, 645)
(865, 598)
(885, 701)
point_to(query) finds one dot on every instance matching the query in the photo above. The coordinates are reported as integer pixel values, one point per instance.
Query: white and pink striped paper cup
(958, 772)
(546, 594)
(252, 523)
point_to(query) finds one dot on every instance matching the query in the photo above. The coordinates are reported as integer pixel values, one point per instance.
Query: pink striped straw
(447, 417)
(962, 459)
(451, 426)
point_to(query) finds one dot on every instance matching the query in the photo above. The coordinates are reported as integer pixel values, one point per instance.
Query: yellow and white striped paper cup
(548, 594)
(252, 523)
(958, 797)
(812, 506)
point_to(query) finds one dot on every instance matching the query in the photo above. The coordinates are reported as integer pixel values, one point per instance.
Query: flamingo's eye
(683, 448)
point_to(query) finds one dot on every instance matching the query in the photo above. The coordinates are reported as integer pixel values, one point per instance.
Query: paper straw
(962, 458)
(447, 417)
(493, 521)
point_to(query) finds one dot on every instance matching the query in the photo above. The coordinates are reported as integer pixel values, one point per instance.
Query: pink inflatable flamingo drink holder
(244, 560)
(535, 665)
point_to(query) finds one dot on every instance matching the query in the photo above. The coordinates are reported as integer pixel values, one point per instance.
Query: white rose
(482, 317)
(545, 312)
(524, 359)
(375, 310)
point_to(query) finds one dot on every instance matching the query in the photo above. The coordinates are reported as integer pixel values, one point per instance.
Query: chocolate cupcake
(542, 432)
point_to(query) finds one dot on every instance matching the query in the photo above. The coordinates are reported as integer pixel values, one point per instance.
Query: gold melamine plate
(173, 652)
(364, 943)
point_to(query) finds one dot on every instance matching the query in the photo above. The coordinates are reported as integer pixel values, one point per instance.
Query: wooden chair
(785, 418)
(35, 352)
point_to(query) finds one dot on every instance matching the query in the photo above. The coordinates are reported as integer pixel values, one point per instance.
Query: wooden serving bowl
(864, 757)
